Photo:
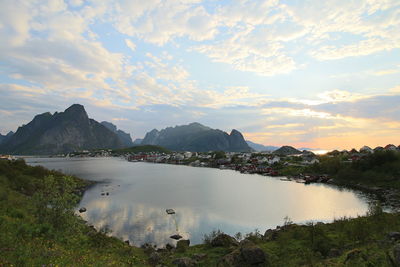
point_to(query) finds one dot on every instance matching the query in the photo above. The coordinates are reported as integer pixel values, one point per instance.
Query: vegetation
(38, 226)
(363, 241)
(381, 168)
(143, 148)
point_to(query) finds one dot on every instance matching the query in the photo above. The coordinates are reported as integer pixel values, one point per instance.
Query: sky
(307, 73)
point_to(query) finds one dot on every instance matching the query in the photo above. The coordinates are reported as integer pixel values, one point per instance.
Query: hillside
(196, 137)
(32, 234)
(287, 150)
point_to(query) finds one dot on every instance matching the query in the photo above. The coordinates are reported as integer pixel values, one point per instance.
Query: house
(310, 160)
(391, 147)
(262, 159)
(366, 150)
(187, 154)
(274, 159)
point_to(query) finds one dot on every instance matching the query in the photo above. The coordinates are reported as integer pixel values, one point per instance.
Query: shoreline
(390, 198)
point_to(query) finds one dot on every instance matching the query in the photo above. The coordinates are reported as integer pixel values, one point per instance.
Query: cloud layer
(309, 73)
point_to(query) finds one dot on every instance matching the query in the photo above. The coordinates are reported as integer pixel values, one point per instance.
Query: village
(285, 163)
(263, 163)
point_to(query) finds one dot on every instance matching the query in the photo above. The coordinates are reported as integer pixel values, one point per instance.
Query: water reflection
(204, 199)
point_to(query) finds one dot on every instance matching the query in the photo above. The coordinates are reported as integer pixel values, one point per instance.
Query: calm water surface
(204, 199)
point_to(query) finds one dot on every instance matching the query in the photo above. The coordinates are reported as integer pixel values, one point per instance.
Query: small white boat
(170, 211)
(285, 179)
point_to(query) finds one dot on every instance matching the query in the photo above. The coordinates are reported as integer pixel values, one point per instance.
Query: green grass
(33, 235)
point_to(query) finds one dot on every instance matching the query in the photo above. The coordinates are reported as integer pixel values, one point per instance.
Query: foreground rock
(248, 254)
(223, 240)
(81, 210)
(395, 236)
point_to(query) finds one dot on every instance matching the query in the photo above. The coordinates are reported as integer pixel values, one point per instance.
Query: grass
(32, 234)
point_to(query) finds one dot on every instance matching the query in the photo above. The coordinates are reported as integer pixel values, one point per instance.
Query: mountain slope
(196, 137)
(287, 150)
(3, 138)
(124, 137)
(259, 147)
(62, 132)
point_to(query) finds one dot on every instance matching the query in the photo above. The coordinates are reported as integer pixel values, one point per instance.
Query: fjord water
(204, 199)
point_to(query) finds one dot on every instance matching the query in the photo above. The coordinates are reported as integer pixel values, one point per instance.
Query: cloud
(161, 21)
(386, 72)
(130, 44)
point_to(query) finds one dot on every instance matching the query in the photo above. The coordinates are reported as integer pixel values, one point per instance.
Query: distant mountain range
(196, 137)
(124, 137)
(3, 138)
(72, 130)
(137, 142)
(63, 132)
(259, 147)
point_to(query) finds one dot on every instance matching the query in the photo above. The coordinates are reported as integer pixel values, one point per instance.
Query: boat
(285, 179)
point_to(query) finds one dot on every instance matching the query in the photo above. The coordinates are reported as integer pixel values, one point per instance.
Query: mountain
(4, 138)
(287, 150)
(62, 132)
(259, 147)
(124, 137)
(137, 142)
(196, 137)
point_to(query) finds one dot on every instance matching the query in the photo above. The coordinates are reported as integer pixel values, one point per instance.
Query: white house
(187, 154)
(366, 149)
(273, 160)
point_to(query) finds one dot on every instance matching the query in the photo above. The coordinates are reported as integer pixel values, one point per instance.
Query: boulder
(246, 255)
(246, 243)
(270, 235)
(394, 236)
(253, 255)
(83, 209)
(182, 245)
(184, 262)
(223, 240)
(233, 259)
